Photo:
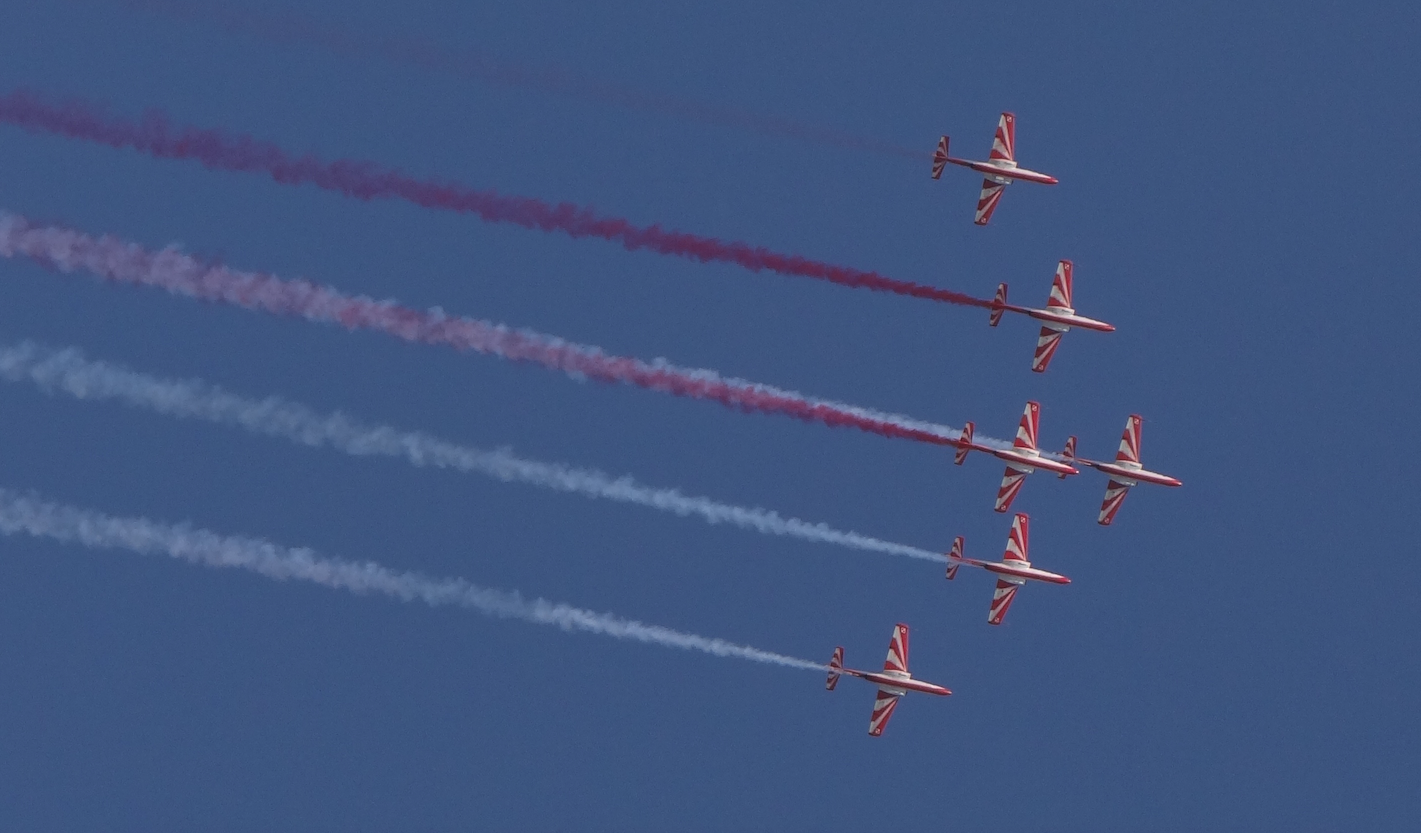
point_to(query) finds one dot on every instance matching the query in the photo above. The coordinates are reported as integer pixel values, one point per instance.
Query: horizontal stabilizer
(1069, 454)
(940, 158)
(964, 444)
(836, 666)
(954, 557)
(999, 304)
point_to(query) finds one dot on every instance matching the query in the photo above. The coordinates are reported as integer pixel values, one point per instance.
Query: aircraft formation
(1024, 456)
(118, 262)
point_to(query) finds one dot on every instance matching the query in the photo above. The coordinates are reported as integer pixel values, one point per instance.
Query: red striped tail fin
(836, 666)
(1069, 454)
(964, 444)
(999, 304)
(940, 158)
(954, 557)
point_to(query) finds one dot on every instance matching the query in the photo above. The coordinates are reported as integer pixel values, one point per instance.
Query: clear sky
(1238, 192)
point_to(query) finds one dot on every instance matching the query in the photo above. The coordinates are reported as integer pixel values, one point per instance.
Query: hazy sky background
(1238, 192)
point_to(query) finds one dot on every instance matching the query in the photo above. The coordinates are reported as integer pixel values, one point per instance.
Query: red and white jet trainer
(1000, 168)
(893, 681)
(1057, 319)
(1012, 571)
(1022, 458)
(1125, 472)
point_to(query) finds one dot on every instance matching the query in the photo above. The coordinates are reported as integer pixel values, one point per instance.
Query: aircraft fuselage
(1132, 475)
(1004, 171)
(1015, 571)
(1029, 461)
(895, 682)
(1063, 321)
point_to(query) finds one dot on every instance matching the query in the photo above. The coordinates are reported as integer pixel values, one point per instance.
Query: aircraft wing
(1046, 346)
(1001, 600)
(898, 650)
(1115, 492)
(1011, 484)
(882, 710)
(987, 202)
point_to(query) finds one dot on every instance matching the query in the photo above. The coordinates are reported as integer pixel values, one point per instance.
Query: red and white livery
(1022, 458)
(893, 681)
(1012, 571)
(1000, 168)
(1125, 472)
(1056, 319)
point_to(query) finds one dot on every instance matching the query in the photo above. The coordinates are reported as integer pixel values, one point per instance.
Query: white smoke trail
(68, 371)
(42, 519)
(116, 260)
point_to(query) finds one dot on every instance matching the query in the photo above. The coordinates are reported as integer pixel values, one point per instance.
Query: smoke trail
(122, 262)
(364, 180)
(69, 372)
(289, 27)
(68, 524)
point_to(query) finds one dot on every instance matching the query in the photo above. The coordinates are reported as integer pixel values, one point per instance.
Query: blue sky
(1238, 191)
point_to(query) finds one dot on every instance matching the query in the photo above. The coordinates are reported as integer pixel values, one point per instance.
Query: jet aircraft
(1022, 458)
(893, 681)
(1057, 319)
(1012, 571)
(1125, 472)
(1000, 168)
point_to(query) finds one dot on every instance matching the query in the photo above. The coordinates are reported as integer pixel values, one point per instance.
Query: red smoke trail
(366, 180)
(289, 27)
(122, 262)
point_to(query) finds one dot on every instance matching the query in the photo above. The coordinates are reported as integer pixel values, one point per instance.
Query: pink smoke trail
(169, 269)
(364, 180)
(290, 27)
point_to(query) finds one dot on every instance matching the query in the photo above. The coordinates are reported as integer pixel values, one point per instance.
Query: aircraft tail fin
(836, 666)
(999, 304)
(1069, 454)
(940, 158)
(954, 557)
(966, 444)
